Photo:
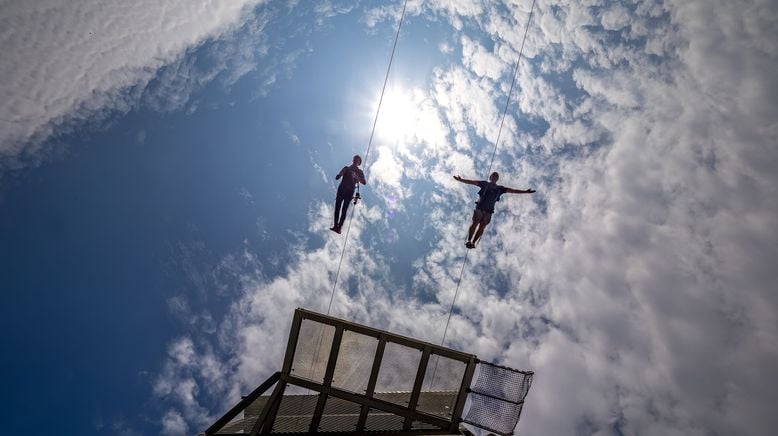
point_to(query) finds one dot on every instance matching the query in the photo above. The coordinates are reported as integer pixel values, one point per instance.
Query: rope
(364, 161)
(496, 143)
(367, 153)
(351, 216)
(445, 330)
(513, 83)
(456, 293)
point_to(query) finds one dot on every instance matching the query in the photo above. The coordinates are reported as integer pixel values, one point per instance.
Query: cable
(386, 79)
(496, 143)
(367, 153)
(351, 216)
(505, 111)
(513, 83)
(456, 293)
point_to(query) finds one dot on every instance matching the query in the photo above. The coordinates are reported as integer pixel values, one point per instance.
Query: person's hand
(458, 178)
(530, 191)
(337, 177)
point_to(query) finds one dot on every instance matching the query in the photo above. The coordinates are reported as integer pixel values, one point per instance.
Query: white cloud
(173, 424)
(328, 9)
(615, 17)
(391, 12)
(637, 281)
(189, 367)
(65, 63)
(481, 62)
(410, 125)
(182, 352)
(468, 103)
(386, 169)
(456, 11)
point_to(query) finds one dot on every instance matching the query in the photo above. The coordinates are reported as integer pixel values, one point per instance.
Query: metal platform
(339, 377)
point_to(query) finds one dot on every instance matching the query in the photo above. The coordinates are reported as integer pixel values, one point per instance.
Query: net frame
(497, 398)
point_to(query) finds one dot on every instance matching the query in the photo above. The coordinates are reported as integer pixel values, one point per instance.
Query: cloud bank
(65, 63)
(637, 283)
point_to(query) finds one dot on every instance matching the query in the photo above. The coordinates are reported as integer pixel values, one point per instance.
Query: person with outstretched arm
(351, 175)
(487, 197)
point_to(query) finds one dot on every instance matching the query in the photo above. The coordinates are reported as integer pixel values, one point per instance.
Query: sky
(167, 184)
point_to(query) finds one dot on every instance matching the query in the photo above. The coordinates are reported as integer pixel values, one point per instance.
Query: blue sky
(167, 181)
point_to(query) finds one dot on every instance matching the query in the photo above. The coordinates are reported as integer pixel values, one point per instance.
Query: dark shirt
(351, 176)
(489, 195)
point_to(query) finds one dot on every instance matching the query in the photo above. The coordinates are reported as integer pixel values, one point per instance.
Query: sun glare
(408, 118)
(397, 117)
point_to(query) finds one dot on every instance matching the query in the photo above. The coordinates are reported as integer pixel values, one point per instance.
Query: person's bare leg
(479, 233)
(471, 231)
(343, 212)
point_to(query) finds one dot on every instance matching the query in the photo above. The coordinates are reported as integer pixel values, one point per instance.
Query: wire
(445, 330)
(364, 161)
(367, 153)
(456, 293)
(496, 143)
(504, 112)
(513, 83)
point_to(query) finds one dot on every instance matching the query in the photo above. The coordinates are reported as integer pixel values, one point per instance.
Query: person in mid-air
(351, 176)
(488, 195)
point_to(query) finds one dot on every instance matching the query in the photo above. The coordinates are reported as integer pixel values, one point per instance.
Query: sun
(397, 116)
(408, 118)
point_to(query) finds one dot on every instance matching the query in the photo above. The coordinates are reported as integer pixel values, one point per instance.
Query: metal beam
(271, 407)
(334, 350)
(398, 339)
(459, 406)
(393, 433)
(291, 345)
(232, 413)
(328, 374)
(369, 402)
(373, 379)
(425, 358)
(313, 427)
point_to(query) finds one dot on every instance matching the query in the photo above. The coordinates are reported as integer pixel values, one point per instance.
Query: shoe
(469, 244)
(335, 229)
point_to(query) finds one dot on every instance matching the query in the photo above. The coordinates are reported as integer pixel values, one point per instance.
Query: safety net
(497, 397)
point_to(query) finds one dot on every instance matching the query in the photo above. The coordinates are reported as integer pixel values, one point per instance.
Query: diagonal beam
(459, 406)
(372, 380)
(250, 398)
(328, 374)
(269, 411)
(425, 358)
(291, 345)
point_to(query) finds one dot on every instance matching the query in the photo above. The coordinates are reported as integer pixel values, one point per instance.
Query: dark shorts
(482, 216)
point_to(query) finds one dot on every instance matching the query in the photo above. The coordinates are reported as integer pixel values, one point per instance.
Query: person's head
(494, 177)
(357, 160)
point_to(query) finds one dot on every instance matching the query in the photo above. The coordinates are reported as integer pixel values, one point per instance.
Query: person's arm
(463, 180)
(519, 191)
(362, 178)
(340, 174)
